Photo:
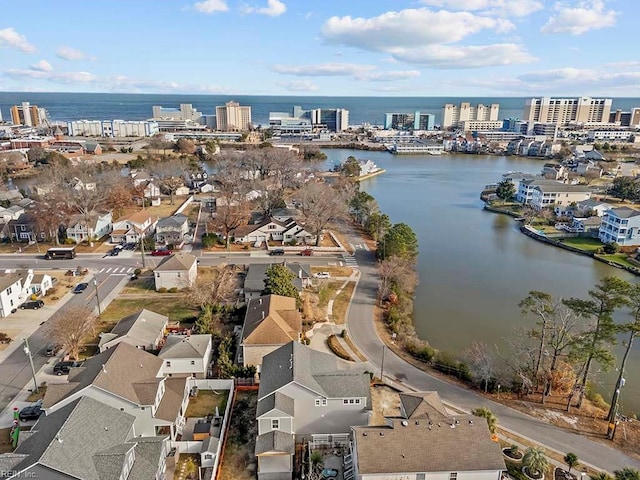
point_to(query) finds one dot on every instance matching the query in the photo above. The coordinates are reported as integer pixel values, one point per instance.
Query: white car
(323, 275)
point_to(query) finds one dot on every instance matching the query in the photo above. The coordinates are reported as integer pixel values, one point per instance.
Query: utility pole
(382, 365)
(142, 247)
(95, 284)
(27, 352)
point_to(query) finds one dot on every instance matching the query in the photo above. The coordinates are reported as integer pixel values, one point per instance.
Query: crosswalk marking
(116, 270)
(349, 261)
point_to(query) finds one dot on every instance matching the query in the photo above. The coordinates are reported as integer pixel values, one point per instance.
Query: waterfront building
(409, 121)
(112, 128)
(560, 195)
(563, 111)
(623, 119)
(332, 119)
(185, 112)
(611, 135)
(28, 115)
(296, 123)
(452, 115)
(620, 225)
(549, 130)
(233, 117)
(480, 125)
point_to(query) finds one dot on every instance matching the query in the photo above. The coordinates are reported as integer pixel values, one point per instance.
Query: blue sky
(322, 47)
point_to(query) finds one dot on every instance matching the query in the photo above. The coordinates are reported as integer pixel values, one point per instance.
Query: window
(9, 291)
(168, 364)
(324, 402)
(420, 476)
(193, 362)
(275, 424)
(317, 402)
(453, 476)
(345, 401)
(357, 401)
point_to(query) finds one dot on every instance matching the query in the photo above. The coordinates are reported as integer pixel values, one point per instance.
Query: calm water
(476, 266)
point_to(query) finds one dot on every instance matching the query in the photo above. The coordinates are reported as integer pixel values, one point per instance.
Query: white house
(40, 285)
(179, 270)
(151, 190)
(273, 229)
(132, 228)
(96, 226)
(186, 355)
(594, 206)
(144, 330)
(560, 195)
(14, 290)
(620, 225)
(172, 229)
(452, 446)
(182, 191)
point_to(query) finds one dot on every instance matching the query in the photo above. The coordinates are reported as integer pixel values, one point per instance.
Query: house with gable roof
(95, 226)
(306, 395)
(274, 229)
(86, 440)
(389, 450)
(179, 270)
(132, 228)
(257, 273)
(270, 322)
(172, 229)
(144, 330)
(620, 225)
(131, 380)
(186, 355)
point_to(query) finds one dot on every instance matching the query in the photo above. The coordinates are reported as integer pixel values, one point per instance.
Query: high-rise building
(453, 115)
(563, 111)
(332, 119)
(233, 117)
(185, 112)
(409, 121)
(28, 115)
(305, 121)
(626, 119)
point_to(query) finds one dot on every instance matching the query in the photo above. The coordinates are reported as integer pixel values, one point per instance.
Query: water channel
(475, 266)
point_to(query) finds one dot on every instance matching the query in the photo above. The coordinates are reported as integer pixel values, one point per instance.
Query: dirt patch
(334, 271)
(238, 460)
(385, 403)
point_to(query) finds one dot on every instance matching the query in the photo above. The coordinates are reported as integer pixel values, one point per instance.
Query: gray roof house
(86, 440)
(179, 270)
(306, 395)
(257, 273)
(389, 450)
(129, 379)
(186, 355)
(172, 229)
(144, 330)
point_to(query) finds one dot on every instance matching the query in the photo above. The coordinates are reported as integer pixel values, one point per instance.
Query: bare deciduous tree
(70, 327)
(170, 175)
(320, 204)
(212, 290)
(481, 363)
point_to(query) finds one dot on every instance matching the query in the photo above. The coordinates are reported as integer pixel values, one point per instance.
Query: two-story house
(275, 230)
(454, 446)
(560, 195)
(95, 226)
(86, 440)
(591, 207)
(270, 322)
(172, 229)
(179, 270)
(134, 227)
(257, 273)
(144, 330)
(620, 225)
(131, 380)
(305, 395)
(14, 290)
(186, 355)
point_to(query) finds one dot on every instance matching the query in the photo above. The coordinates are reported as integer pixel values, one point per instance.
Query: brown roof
(141, 217)
(458, 443)
(271, 320)
(176, 262)
(123, 370)
(423, 405)
(171, 402)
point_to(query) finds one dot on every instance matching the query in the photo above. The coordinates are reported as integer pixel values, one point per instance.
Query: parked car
(62, 368)
(32, 305)
(114, 252)
(307, 252)
(32, 412)
(51, 349)
(322, 275)
(81, 287)
(276, 251)
(161, 252)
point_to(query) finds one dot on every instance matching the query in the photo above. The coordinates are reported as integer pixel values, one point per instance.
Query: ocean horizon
(65, 106)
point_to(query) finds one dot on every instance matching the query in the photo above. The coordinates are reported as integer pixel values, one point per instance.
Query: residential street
(362, 331)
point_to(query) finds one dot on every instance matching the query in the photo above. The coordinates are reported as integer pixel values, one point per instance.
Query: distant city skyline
(329, 48)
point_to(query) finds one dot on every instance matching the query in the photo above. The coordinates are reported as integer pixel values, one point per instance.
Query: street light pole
(382, 365)
(142, 247)
(27, 352)
(95, 284)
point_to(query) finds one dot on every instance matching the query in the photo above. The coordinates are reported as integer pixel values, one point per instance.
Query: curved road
(362, 330)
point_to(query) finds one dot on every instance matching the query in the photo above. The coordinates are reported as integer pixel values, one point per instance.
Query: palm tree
(535, 461)
(600, 476)
(627, 473)
(315, 461)
(571, 459)
(492, 420)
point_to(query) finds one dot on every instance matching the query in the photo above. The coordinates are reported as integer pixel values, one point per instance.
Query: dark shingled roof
(274, 441)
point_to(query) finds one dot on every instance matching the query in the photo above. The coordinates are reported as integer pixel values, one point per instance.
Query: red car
(161, 253)
(307, 252)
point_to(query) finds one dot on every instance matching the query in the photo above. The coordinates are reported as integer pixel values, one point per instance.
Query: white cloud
(211, 6)
(274, 8)
(42, 66)
(10, 38)
(299, 86)
(585, 16)
(73, 54)
(403, 36)
(362, 72)
(68, 78)
(500, 8)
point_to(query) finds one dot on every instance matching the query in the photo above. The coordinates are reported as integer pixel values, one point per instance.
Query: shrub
(335, 347)
(611, 248)
(420, 349)
(137, 271)
(34, 297)
(343, 333)
(69, 241)
(445, 363)
(173, 290)
(162, 290)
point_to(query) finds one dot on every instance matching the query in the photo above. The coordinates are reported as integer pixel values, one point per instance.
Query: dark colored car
(307, 252)
(161, 253)
(114, 252)
(276, 251)
(33, 305)
(81, 287)
(62, 368)
(32, 412)
(51, 349)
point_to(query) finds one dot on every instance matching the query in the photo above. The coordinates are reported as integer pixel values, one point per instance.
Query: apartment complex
(28, 115)
(302, 121)
(453, 116)
(185, 112)
(112, 128)
(563, 111)
(233, 117)
(409, 121)
(624, 119)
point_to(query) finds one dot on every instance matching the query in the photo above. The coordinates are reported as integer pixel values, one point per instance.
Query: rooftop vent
(453, 425)
(382, 434)
(470, 422)
(439, 424)
(364, 434)
(404, 423)
(417, 422)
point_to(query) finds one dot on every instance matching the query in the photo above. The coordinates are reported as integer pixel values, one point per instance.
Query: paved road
(362, 331)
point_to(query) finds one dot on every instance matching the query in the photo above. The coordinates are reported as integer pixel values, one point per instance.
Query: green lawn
(620, 259)
(583, 243)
